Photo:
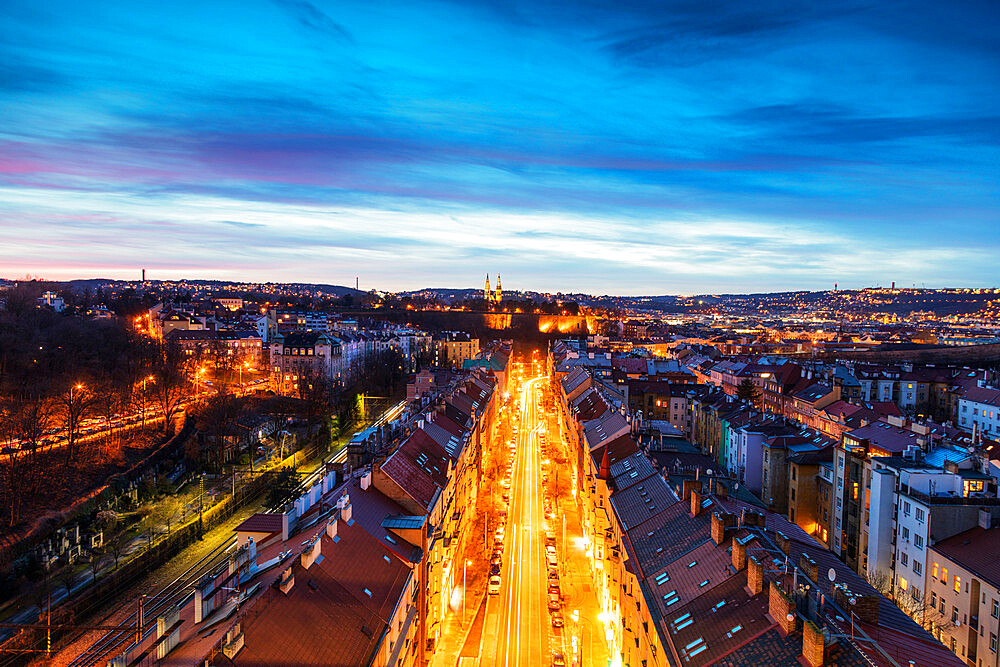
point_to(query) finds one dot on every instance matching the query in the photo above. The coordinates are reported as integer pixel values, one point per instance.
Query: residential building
(979, 410)
(963, 587)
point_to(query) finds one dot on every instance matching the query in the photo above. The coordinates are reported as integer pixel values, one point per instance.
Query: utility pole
(140, 619)
(201, 502)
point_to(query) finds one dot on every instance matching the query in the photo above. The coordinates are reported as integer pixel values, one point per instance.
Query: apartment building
(683, 579)
(979, 410)
(963, 587)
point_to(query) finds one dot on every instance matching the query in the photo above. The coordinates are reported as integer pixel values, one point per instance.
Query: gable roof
(351, 594)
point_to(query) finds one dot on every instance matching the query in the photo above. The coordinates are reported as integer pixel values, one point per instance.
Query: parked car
(494, 584)
(557, 619)
(554, 602)
(558, 660)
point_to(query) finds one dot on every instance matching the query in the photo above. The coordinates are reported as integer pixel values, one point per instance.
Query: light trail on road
(519, 629)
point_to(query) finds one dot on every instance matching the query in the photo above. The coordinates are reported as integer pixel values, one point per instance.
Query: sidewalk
(580, 594)
(579, 589)
(457, 640)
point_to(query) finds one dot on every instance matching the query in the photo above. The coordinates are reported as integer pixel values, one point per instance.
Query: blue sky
(623, 148)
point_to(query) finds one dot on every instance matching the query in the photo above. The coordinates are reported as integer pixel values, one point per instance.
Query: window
(906, 533)
(918, 541)
(954, 616)
(993, 642)
(933, 599)
(918, 567)
(996, 609)
(941, 607)
(903, 584)
(906, 508)
(934, 570)
(904, 558)
(944, 576)
(958, 584)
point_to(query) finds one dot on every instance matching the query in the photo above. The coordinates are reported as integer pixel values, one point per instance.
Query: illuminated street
(519, 627)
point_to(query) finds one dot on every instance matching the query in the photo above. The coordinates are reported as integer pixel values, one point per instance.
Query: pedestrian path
(458, 639)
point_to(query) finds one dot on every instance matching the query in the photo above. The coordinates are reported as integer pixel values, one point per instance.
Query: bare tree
(33, 420)
(65, 578)
(219, 422)
(96, 562)
(73, 406)
(919, 607)
(169, 383)
(167, 511)
(316, 392)
(115, 541)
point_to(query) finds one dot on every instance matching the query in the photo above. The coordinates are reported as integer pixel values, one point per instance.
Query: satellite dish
(831, 575)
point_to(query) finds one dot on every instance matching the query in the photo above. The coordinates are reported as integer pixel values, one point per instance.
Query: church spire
(499, 296)
(488, 293)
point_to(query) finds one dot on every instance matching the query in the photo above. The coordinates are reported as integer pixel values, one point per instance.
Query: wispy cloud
(646, 146)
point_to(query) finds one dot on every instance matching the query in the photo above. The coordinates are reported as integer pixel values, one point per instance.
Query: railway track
(169, 596)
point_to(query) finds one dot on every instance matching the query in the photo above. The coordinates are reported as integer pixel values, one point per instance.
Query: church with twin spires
(489, 295)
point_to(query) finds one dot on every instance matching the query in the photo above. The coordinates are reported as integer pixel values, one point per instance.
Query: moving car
(554, 602)
(558, 660)
(557, 619)
(494, 585)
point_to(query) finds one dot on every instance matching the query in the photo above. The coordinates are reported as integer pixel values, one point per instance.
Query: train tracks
(169, 596)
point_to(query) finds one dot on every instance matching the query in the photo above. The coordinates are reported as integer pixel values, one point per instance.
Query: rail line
(167, 597)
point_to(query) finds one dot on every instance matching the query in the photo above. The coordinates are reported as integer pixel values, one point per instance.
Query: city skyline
(660, 148)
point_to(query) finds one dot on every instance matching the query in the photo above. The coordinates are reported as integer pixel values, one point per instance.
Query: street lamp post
(465, 590)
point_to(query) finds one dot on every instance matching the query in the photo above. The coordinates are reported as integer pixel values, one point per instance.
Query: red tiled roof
(630, 365)
(261, 523)
(349, 595)
(976, 550)
(982, 395)
(618, 449)
(416, 483)
(428, 455)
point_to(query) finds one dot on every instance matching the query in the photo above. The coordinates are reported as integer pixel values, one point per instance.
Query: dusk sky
(628, 148)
